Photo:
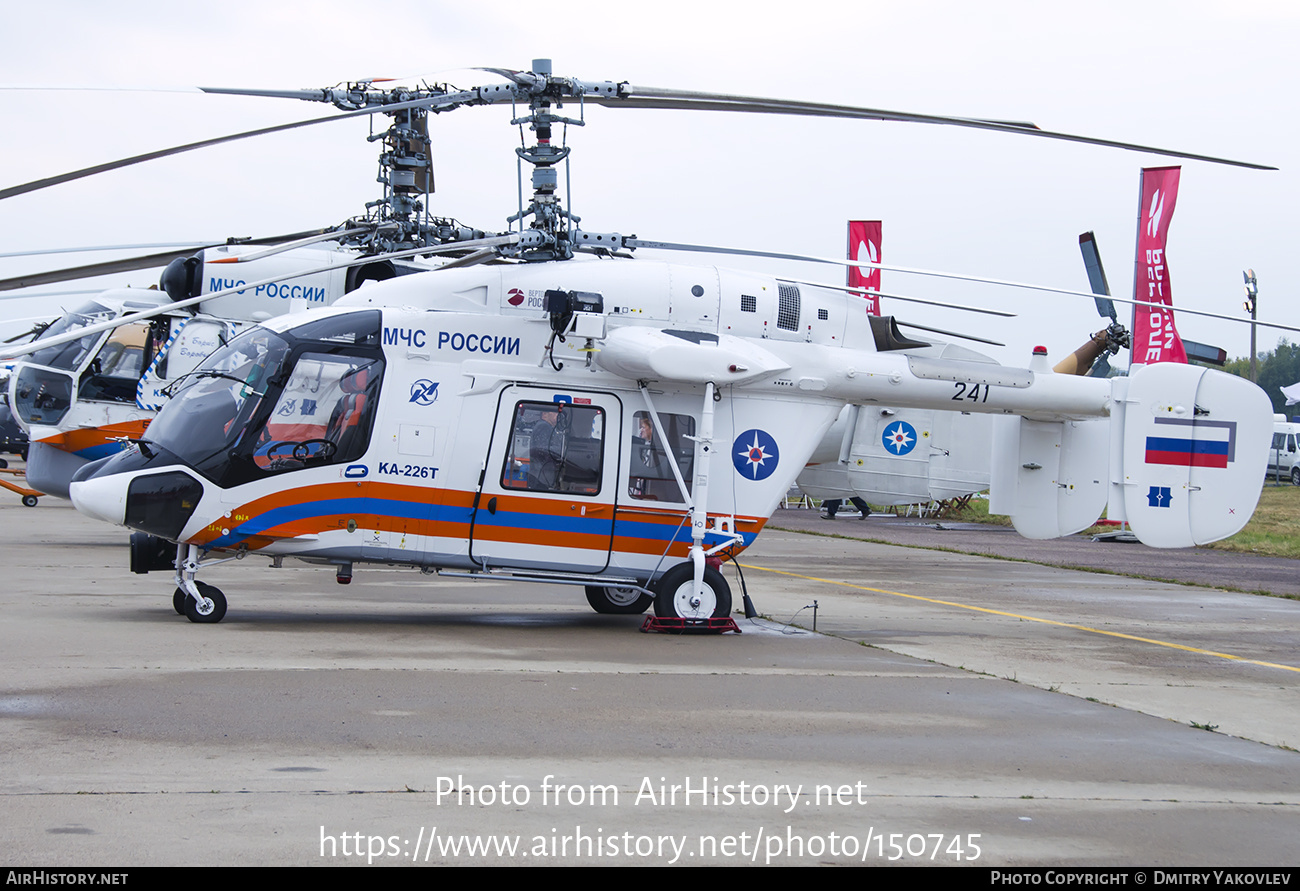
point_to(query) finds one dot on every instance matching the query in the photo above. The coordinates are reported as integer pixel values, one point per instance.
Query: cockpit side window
(650, 475)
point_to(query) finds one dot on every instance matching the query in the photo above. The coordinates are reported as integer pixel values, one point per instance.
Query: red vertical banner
(1154, 337)
(864, 244)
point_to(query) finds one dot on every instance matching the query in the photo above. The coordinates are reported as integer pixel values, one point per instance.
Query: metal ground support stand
(29, 495)
(689, 626)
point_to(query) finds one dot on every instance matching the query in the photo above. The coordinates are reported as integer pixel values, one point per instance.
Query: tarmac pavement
(951, 709)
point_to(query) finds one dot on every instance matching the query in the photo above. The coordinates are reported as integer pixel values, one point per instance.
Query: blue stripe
(1187, 446)
(94, 453)
(414, 510)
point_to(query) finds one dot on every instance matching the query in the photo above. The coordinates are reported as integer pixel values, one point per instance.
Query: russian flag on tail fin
(1189, 449)
(1193, 443)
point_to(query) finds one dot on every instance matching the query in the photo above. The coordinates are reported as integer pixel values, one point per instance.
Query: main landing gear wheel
(618, 601)
(677, 599)
(210, 610)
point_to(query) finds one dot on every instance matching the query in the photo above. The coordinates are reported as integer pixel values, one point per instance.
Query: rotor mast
(549, 218)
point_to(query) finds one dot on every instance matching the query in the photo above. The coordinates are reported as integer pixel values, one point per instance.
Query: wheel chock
(689, 626)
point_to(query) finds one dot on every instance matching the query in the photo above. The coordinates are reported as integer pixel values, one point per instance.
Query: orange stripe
(444, 527)
(89, 437)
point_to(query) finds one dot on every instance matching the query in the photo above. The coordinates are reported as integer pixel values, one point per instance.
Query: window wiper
(170, 389)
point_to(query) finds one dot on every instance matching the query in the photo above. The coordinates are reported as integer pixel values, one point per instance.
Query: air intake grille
(787, 312)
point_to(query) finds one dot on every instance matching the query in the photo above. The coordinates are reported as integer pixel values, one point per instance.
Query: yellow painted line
(998, 612)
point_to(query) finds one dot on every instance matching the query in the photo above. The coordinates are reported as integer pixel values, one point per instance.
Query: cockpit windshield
(69, 356)
(269, 403)
(216, 401)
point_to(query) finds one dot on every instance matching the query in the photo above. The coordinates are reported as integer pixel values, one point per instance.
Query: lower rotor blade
(492, 242)
(110, 267)
(193, 245)
(131, 264)
(903, 324)
(863, 264)
(295, 244)
(480, 256)
(903, 297)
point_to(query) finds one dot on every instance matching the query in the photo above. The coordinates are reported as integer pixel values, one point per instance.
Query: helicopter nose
(157, 503)
(103, 498)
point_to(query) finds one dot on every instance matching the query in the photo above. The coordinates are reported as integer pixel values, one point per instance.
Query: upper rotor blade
(657, 97)
(36, 185)
(309, 95)
(653, 97)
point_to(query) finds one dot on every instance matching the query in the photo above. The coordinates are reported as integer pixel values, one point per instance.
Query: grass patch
(977, 511)
(1274, 529)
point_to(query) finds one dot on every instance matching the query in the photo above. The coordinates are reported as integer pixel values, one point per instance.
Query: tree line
(1277, 368)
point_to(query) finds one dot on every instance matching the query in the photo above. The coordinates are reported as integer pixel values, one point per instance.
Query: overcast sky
(1212, 78)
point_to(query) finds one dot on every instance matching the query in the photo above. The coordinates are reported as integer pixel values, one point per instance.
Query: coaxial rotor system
(545, 228)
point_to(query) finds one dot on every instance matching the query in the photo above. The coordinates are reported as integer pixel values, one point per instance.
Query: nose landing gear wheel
(677, 598)
(29, 501)
(618, 601)
(178, 601)
(208, 611)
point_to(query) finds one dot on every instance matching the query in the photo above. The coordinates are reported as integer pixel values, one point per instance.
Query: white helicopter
(621, 426)
(84, 401)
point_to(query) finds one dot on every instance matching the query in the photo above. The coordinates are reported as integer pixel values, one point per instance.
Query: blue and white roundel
(899, 438)
(755, 454)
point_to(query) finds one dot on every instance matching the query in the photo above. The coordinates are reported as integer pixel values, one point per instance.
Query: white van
(1283, 459)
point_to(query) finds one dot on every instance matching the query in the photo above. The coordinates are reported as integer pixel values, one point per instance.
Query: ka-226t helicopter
(619, 425)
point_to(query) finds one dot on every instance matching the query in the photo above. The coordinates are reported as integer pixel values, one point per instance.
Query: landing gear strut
(198, 601)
